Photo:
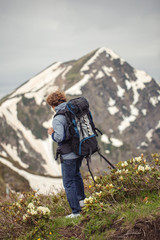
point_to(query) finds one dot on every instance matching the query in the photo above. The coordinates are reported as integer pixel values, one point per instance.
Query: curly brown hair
(56, 98)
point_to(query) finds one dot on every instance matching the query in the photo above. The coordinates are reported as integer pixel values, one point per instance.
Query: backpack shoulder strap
(65, 112)
(61, 112)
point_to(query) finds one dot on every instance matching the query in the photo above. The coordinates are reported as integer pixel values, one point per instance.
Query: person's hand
(50, 131)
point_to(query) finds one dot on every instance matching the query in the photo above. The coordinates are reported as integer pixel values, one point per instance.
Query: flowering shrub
(28, 209)
(130, 178)
(37, 212)
(31, 216)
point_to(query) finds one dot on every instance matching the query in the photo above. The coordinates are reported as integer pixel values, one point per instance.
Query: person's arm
(58, 134)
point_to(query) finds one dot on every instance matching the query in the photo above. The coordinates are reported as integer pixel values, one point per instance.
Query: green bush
(130, 179)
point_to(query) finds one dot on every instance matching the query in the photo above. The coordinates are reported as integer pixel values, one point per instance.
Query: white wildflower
(17, 204)
(95, 178)
(43, 210)
(118, 172)
(147, 168)
(32, 211)
(138, 159)
(20, 196)
(133, 160)
(88, 200)
(141, 168)
(125, 164)
(125, 170)
(121, 178)
(25, 216)
(99, 193)
(31, 205)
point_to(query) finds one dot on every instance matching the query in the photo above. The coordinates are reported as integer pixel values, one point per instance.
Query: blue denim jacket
(61, 131)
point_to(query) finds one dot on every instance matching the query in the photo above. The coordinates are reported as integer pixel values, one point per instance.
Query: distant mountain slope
(125, 103)
(10, 180)
(19, 180)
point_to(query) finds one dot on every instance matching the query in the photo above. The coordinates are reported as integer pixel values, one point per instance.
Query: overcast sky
(37, 33)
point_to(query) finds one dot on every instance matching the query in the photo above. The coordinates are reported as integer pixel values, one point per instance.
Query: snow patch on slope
(113, 110)
(114, 79)
(100, 74)
(116, 142)
(144, 144)
(109, 53)
(66, 71)
(76, 89)
(111, 102)
(149, 135)
(134, 110)
(144, 111)
(47, 124)
(39, 81)
(127, 120)
(43, 185)
(120, 92)
(154, 100)
(128, 84)
(139, 84)
(107, 70)
(40, 146)
(43, 83)
(142, 78)
(12, 151)
(105, 139)
(158, 125)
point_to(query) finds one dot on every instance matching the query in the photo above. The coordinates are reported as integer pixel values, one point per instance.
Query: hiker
(70, 162)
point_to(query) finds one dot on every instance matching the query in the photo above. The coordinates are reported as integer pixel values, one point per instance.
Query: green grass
(127, 213)
(138, 208)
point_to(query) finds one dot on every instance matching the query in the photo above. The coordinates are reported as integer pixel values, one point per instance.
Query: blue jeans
(73, 183)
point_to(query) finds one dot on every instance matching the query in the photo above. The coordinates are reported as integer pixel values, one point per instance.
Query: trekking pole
(88, 158)
(107, 160)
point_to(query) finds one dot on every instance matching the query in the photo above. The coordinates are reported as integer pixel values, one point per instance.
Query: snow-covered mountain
(125, 104)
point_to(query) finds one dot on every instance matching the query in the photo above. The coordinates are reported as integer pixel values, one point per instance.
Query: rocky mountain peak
(125, 104)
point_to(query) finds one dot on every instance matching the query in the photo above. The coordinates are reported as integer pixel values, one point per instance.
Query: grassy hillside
(124, 204)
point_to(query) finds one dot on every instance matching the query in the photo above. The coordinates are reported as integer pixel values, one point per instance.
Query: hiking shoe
(81, 203)
(73, 215)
